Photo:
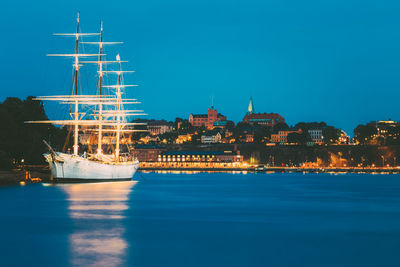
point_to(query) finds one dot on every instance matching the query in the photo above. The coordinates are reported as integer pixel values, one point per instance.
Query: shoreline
(11, 177)
(280, 169)
(15, 176)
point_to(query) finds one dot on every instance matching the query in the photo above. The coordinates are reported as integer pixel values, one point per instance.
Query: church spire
(250, 109)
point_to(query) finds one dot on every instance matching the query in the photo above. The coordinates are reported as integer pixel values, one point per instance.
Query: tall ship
(98, 119)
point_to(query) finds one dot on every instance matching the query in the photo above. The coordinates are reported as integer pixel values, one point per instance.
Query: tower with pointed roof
(263, 119)
(250, 109)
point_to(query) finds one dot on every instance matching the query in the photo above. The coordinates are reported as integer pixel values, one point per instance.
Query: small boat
(260, 168)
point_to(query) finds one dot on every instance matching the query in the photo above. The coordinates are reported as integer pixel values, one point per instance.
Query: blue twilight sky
(323, 60)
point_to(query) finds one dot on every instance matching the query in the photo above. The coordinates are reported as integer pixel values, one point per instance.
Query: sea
(205, 219)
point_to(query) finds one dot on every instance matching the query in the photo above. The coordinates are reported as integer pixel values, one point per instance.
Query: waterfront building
(316, 135)
(206, 120)
(147, 153)
(264, 119)
(200, 156)
(281, 136)
(211, 137)
(156, 127)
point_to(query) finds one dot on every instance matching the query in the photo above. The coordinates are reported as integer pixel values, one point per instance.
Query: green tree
(297, 138)
(281, 126)
(170, 137)
(393, 136)
(184, 126)
(331, 135)
(305, 126)
(230, 125)
(262, 134)
(20, 140)
(364, 133)
(240, 131)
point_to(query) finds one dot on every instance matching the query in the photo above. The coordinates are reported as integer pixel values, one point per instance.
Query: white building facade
(211, 138)
(316, 135)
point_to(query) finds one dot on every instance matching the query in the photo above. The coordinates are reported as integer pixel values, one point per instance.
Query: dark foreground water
(205, 219)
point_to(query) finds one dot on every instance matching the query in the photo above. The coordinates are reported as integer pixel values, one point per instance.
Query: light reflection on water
(206, 219)
(95, 241)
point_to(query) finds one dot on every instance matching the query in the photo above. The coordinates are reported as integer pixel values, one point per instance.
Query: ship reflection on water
(97, 211)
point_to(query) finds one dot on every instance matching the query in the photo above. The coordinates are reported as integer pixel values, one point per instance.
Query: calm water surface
(205, 219)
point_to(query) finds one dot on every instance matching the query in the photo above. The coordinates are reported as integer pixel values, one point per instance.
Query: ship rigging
(107, 117)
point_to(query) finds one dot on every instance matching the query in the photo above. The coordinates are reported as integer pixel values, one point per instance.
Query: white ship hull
(71, 168)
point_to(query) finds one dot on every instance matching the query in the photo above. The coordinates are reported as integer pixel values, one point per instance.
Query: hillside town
(212, 141)
(262, 138)
(213, 127)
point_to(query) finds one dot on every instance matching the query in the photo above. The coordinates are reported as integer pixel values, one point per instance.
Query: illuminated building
(344, 138)
(249, 138)
(147, 153)
(150, 139)
(207, 120)
(211, 137)
(183, 138)
(157, 127)
(264, 119)
(281, 136)
(228, 133)
(383, 127)
(200, 156)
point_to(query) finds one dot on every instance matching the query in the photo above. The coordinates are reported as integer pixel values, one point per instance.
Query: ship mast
(76, 65)
(107, 120)
(101, 62)
(118, 108)
(100, 135)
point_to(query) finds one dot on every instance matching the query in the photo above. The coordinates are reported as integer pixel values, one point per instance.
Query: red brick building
(264, 119)
(206, 120)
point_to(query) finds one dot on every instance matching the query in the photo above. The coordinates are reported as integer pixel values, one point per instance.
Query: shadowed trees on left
(19, 140)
